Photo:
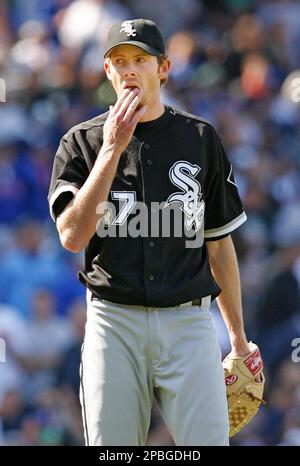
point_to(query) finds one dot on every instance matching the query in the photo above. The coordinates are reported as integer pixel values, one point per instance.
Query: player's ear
(106, 66)
(164, 68)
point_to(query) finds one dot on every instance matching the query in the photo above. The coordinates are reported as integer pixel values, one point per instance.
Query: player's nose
(130, 73)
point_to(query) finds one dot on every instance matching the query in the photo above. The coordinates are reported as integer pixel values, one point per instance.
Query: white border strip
(57, 193)
(235, 223)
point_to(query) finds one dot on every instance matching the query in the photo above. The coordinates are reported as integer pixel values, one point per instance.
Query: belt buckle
(196, 302)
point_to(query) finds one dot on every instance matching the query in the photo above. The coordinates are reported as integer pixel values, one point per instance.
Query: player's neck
(153, 112)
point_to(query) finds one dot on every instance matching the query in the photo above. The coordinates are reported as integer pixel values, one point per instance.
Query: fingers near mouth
(131, 87)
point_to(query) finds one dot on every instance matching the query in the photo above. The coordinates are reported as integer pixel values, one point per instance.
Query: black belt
(195, 302)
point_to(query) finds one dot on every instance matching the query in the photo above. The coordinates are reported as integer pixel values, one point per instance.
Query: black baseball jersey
(174, 171)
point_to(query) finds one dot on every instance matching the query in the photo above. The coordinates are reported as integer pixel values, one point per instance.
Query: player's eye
(140, 59)
(120, 61)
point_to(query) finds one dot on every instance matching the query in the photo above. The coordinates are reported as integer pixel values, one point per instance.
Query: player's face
(136, 68)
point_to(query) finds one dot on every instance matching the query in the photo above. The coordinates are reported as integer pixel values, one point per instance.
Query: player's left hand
(240, 348)
(244, 381)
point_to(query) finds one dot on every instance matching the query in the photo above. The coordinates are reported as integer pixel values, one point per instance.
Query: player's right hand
(122, 119)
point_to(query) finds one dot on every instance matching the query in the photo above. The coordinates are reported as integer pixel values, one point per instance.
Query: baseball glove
(244, 381)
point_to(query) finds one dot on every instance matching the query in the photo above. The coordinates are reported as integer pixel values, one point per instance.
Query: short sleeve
(223, 210)
(68, 175)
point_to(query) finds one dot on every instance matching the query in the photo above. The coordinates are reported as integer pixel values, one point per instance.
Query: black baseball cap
(143, 33)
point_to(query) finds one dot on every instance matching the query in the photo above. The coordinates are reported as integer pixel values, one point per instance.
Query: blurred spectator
(67, 374)
(281, 293)
(28, 267)
(89, 20)
(14, 185)
(11, 413)
(14, 332)
(68, 370)
(50, 335)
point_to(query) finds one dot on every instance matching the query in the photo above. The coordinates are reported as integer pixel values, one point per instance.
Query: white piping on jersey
(235, 223)
(228, 178)
(63, 189)
(141, 168)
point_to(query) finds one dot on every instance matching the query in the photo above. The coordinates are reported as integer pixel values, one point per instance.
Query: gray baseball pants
(132, 354)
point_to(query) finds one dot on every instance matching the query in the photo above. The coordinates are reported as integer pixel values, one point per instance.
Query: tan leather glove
(244, 381)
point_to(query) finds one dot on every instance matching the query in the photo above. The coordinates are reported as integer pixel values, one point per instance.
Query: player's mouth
(131, 86)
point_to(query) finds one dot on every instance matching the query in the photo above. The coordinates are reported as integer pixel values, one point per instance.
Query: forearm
(224, 267)
(77, 224)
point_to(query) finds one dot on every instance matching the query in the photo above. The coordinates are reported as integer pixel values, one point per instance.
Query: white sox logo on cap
(141, 33)
(128, 28)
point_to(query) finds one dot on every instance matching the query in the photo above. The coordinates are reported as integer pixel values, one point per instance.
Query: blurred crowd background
(234, 62)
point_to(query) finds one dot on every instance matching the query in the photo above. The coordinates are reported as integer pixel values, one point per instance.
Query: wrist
(239, 344)
(110, 151)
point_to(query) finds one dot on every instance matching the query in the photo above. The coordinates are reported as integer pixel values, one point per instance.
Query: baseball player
(149, 331)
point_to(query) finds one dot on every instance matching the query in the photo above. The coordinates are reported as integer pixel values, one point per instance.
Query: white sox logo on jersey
(128, 28)
(182, 174)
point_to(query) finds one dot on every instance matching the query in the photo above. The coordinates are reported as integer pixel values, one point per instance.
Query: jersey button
(151, 277)
(151, 244)
(149, 162)
(147, 146)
